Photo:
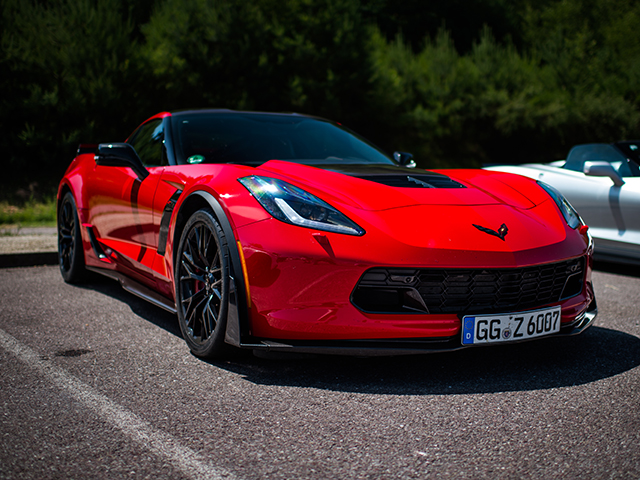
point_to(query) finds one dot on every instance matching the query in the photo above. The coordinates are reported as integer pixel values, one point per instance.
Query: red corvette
(284, 232)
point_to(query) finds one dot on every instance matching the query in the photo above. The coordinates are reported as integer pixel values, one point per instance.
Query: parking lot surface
(96, 383)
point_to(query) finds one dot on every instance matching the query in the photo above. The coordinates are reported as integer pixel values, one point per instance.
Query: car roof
(235, 112)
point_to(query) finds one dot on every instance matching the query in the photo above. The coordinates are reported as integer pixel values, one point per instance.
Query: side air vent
(414, 181)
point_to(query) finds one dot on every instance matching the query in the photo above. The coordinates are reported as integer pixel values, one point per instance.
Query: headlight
(568, 212)
(293, 205)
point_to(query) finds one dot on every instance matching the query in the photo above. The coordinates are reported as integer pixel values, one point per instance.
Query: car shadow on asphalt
(596, 354)
(159, 317)
(544, 364)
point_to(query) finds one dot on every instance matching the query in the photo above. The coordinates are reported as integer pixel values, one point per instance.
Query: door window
(148, 141)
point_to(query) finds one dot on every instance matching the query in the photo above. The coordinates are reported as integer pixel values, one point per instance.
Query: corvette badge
(501, 233)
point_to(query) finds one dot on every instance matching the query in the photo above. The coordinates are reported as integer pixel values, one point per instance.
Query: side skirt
(138, 289)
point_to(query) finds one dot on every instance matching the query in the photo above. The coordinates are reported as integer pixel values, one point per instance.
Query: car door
(121, 204)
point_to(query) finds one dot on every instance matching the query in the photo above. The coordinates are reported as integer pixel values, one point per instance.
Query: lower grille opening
(573, 286)
(390, 300)
(462, 291)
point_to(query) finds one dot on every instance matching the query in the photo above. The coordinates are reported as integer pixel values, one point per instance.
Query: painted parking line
(159, 443)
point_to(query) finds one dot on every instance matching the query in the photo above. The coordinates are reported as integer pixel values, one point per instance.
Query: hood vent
(413, 181)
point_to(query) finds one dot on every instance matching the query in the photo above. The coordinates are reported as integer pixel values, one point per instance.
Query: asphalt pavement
(96, 383)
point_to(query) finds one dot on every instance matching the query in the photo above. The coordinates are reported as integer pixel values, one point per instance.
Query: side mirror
(121, 155)
(405, 159)
(603, 169)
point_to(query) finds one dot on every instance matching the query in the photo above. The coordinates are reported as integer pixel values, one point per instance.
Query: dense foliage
(458, 83)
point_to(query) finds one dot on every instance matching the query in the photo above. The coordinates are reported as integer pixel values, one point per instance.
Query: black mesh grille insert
(464, 291)
(414, 181)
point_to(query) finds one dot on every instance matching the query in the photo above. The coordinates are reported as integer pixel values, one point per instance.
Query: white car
(602, 182)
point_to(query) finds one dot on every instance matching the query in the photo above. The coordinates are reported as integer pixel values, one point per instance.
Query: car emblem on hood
(501, 233)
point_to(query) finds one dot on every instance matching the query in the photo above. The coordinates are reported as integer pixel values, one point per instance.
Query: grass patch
(29, 214)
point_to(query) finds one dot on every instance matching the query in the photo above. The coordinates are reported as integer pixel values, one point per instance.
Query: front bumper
(301, 285)
(402, 346)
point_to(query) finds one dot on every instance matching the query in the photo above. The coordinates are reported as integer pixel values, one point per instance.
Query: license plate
(510, 327)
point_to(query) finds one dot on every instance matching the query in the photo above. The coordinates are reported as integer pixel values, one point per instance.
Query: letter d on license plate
(510, 327)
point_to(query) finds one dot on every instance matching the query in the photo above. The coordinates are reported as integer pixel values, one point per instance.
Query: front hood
(468, 213)
(479, 229)
(384, 187)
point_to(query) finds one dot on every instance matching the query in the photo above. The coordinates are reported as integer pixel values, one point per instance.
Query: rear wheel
(202, 285)
(70, 254)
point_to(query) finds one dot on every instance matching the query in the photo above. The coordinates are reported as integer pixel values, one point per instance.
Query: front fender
(237, 316)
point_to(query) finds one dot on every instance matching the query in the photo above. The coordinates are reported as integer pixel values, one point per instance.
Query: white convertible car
(602, 182)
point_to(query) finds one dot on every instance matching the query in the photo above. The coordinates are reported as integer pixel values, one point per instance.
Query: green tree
(70, 76)
(593, 48)
(301, 55)
(575, 82)
(457, 83)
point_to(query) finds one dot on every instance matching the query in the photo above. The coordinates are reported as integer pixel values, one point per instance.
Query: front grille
(465, 291)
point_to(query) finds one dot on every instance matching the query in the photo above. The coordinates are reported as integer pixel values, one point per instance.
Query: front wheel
(202, 284)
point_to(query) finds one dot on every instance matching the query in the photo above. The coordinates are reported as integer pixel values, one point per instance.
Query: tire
(202, 285)
(70, 250)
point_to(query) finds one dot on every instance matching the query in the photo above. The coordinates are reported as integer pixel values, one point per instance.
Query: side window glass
(148, 141)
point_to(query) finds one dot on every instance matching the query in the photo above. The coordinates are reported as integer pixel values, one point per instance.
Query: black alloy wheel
(202, 285)
(70, 254)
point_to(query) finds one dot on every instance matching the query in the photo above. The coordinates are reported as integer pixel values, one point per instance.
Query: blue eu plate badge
(467, 330)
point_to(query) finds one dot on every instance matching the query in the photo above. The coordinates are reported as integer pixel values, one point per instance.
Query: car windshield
(601, 152)
(255, 138)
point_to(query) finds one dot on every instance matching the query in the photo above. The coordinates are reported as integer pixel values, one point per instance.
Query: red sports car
(285, 232)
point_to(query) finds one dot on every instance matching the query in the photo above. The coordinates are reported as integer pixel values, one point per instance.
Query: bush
(28, 213)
